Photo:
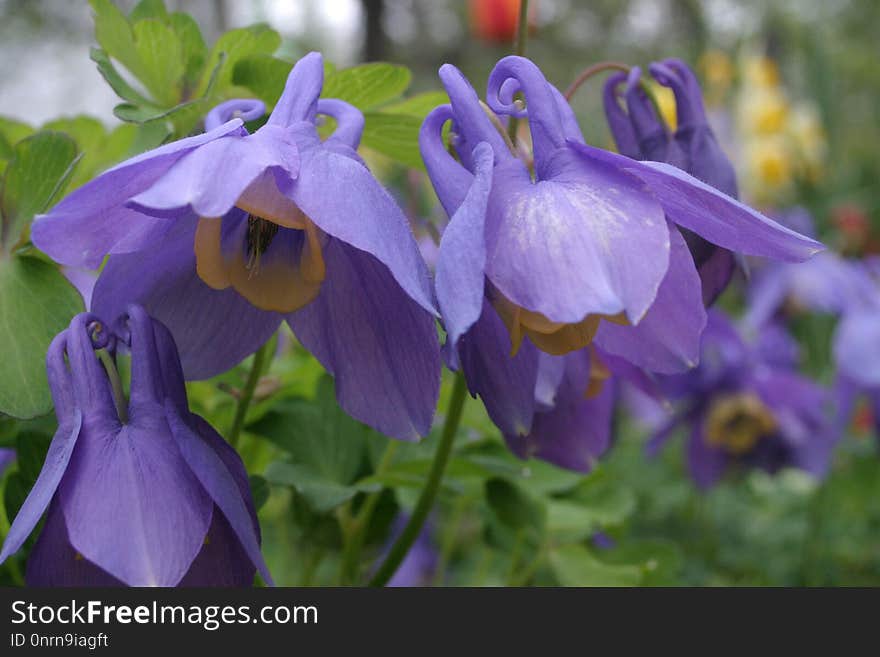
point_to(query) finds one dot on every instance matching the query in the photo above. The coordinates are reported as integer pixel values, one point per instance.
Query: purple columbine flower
(154, 499)
(583, 250)
(225, 235)
(746, 405)
(642, 135)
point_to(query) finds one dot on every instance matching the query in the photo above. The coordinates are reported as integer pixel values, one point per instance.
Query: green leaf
(30, 453)
(148, 9)
(513, 507)
(394, 135)
(36, 303)
(419, 105)
(193, 48)
(116, 81)
(232, 47)
(660, 561)
(574, 565)
(259, 490)
(161, 56)
(369, 85)
(11, 132)
(321, 493)
(114, 34)
(326, 447)
(263, 75)
(41, 165)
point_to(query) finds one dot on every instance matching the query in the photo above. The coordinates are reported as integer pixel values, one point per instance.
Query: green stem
(356, 532)
(429, 492)
(247, 394)
(522, 35)
(115, 384)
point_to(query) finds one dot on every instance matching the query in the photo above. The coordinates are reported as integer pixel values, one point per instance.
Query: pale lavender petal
(720, 219)
(378, 343)
(551, 369)
(460, 268)
(856, 346)
(667, 340)
(210, 180)
(93, 220)
(342, 197)
(588, 240)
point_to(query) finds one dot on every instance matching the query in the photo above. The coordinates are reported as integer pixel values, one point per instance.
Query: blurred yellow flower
(764, 110)
(761, 71)
(717, 70)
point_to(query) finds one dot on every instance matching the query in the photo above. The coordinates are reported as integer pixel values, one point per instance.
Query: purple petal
(349, 121)
(667, 340)
(54, 562)
(576, 431)
(246, 109)
(213, 329)
(588, 240)
(211, 179)
(618, 120)
(551, 369)
(720, 219)
(449, 178)
(505, 384)
(57, 459)
(856, 346)
(299, 100)
(132, 506)
(93, 220)
(380, 346)
(460, 267)
(342, 197)
(222, 561)
(706, 463)
(221, 485)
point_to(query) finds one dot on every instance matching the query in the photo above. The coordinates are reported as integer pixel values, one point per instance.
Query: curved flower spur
(225, 235)
(154, 499)
(640, 133)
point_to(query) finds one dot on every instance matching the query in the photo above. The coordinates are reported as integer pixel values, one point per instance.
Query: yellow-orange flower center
(556, 338)
(737, 422)
(283, 283)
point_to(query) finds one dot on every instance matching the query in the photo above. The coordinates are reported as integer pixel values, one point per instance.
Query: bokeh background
(793, 89)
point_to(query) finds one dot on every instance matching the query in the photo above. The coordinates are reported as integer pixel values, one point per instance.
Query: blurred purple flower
(827, 283)
(224, 235)
(746, 405)
(642, 135)
(154, 499)
(420, 563)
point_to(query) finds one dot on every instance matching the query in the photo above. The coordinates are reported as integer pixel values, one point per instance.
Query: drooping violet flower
(157, 498)
(225, 235)
(692, 147)
(746, 405)
(586, 253)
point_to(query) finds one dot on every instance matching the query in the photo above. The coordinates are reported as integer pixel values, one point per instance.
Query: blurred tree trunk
(374, 38)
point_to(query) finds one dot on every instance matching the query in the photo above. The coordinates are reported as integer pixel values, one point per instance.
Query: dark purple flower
(746, 405)
(642, 135)
(225, 235)
(154, 499)
(583, 251)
